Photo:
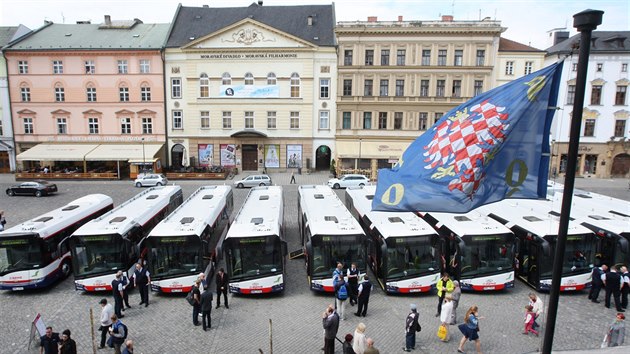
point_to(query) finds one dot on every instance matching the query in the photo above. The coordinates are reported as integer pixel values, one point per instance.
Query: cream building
(396, 78)
(251, 87)
(515, 60)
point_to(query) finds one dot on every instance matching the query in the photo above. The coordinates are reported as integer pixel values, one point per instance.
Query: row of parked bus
(485, 249)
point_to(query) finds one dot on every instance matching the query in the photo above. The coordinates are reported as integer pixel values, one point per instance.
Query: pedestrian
(456, 294)
(370, 347)
(330, 321)
(530, 316)
(196, 302)
(206, 309)
(617, 331)
(3, 221)
(446, 315)
(338, 271)
(49, 342)
(597, 281)
(444, 286)
(222, 288)
(106, 320)
(625, 277)
(118, 292)
(347, 344)
(204, 283)
(365, 288)
(341, 295)
(470, 329)
(411, 327)
(142, 280)
(117, 334)
(292, 177)
(128, 349)
(353, 283)
(537, 308)
(126, 285)
(613, 284)
(67, 345)
(359, 343)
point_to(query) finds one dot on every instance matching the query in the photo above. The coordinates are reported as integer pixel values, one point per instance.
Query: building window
(369, 57)
(400, 87)
(481, 57)
(249, 79)
(600, 67)
(574, 67)
(620, 95)
(347, 87)
(91, 94)
(624, 68)
(57, 67)
(382, 120)
(125, 125)
(457, 88)
(384, 56)
(596, 95)
(347, 57)
(227, 120)
(249, 120)
(426, 57)
(271, 79)
(509, 68)
(459, 57)
(438, 116)
(25, 94)
(423, 119)
(90, 67)
(60, 95)
(440, 88)
(620, 128)
(23, 67)
(400, 57)
(324, 88)
(145, 94)
(295, 85)
(147, 125)
(442, 57)
(123, 93)
(570, 94)
(398, 120)
(294, 120)
(347, 120)
(528, 67)
(204, 86)
(478, 88)
(176, 87)
(62, 126)
(589, 127)
(226, 79)
(383, 88)
(368, 85)
(367, 120)
(93, 125)
(204, 118)
(271, 120)
(424, 88)
(123, 67)
(28, 125)
(145, 66)
(178, 120)
(324, 120)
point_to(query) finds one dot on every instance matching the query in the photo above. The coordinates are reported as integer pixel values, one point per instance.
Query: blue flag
(493, 147)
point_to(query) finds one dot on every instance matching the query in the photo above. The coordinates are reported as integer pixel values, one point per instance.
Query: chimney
(309, 20)
(108, 20)
(206, 6)
(260, 2)
(400, 18)
(447, 18)
(560, 36)
(372, 18)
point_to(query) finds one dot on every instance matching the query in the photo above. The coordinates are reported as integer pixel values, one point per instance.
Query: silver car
(253, 181)
(348, 181)
(150, 179)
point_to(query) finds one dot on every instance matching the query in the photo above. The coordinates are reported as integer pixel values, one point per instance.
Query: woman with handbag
(470, 329)
(445, 318)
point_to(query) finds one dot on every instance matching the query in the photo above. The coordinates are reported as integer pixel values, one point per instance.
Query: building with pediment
(251, 87)
(604, 147)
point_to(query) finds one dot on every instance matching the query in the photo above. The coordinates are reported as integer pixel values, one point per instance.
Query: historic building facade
(515, 60)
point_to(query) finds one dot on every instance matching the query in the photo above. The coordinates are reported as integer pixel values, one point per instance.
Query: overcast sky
(527, 21)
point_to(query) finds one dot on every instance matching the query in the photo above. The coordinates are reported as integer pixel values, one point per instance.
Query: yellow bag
(441, 333)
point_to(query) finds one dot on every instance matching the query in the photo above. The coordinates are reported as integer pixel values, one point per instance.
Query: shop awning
(371, 149)
(56, 152)
(124, 152)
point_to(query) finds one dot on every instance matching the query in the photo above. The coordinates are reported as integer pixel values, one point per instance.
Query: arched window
(249, 79)
(226, 79)
(271, 79)
(295, 85)
(204, 86)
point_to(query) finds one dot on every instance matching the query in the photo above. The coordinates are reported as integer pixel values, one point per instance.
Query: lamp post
(144, 161)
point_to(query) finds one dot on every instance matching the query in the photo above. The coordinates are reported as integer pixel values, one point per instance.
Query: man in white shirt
(106, 313)
(538, 307)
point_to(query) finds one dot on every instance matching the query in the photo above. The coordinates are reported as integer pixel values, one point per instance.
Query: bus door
(380, 263)
(605, 250)
(534, 252)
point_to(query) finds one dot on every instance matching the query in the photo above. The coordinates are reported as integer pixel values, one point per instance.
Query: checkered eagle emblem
(462, 145)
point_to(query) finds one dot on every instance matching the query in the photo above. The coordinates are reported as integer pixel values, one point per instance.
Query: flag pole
(585, 22)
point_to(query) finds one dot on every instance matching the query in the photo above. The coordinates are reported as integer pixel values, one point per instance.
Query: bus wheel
(65, 269)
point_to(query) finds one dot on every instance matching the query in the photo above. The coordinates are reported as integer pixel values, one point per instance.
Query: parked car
(150, 179)
(37, 188)
(348, 181)
(253, 181)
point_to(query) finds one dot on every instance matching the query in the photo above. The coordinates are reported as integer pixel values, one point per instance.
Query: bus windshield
(98, 254)
(410, 256)
(254, 257)
(579, 255)
(328, 250)
(486, 254)
(20, 253)
(174, 255)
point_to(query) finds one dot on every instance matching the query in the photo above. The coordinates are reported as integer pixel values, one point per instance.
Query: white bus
(330, 234)
(183, 244)
(477, 250)
(32, 254)
(536, 233)
(109, 243)
(254, 247)
(404, 252)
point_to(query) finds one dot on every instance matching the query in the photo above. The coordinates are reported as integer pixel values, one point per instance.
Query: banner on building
(249, 91)
(228, 155)
(205, 155)
(294, 156)
(272, 156)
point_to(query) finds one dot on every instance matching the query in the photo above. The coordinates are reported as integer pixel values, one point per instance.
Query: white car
(348, 181)
(253, 181)
(150, 179)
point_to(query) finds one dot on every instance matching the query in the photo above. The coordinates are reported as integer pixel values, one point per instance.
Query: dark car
(37, 188)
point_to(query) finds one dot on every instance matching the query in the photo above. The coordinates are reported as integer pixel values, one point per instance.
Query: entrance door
(621, 165)
(250, 157)
(4, 162)
(533, 271)
(322, 158)
(177, 155)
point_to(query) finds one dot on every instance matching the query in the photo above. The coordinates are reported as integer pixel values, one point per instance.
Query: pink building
(89, 97)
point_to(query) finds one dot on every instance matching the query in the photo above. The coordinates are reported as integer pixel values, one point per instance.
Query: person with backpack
(411, 327)
(118, 333)
(341, 295)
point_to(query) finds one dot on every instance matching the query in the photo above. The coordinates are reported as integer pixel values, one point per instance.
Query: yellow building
(515, 60)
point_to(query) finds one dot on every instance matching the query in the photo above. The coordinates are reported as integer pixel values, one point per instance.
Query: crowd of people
(616, 283)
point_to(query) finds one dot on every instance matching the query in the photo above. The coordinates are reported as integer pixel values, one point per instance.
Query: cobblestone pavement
(166, 326)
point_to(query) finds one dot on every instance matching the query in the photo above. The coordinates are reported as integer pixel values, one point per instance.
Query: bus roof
(58, 219)
(471, 223)
(388, 224)
(135, 211)
(261, 214)
(201, 209)
(594, 212)
(326, 213)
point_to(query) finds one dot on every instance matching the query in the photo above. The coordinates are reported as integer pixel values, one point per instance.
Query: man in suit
(142, 280)
(206, 309)
(364, 296)
(597, 282)
(330, 321)
(118, 292)
(222, 288)
(613, 284)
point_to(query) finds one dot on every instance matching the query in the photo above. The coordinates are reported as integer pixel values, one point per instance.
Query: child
(529, 320)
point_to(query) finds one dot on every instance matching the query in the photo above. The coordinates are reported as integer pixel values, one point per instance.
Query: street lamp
(144, 161)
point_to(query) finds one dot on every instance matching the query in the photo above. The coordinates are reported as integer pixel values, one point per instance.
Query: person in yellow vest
(444, 286)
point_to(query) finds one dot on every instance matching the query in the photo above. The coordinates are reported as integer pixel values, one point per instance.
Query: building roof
(197, 22)
(507, 45)
(6, 34)
(87, 36)
(601, 42)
